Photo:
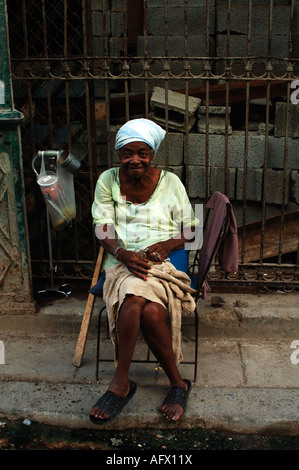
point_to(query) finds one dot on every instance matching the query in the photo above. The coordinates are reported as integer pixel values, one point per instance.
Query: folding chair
(216, 228)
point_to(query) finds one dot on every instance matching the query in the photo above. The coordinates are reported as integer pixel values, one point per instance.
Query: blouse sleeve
(103, 205)
(184, 215)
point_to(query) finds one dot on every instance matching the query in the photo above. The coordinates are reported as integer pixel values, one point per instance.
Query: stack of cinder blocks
(212, 123)
(214, 135)
(213, 119)
(170, 107)
(260, 25)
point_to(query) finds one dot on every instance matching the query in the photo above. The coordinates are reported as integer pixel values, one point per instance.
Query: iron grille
(82, 68)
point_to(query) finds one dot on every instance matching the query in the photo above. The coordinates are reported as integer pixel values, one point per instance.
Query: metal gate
(220, 76)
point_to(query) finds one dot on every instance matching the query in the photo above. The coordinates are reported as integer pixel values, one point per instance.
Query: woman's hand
(158, 252)
(135, 263)
(161, 250)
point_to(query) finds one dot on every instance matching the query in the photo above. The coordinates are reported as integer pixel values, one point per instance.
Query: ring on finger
(141, 253)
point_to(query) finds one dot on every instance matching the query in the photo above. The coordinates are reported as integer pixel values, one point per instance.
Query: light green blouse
(165, 214)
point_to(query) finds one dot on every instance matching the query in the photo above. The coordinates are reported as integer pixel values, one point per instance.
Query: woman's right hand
(135, 263)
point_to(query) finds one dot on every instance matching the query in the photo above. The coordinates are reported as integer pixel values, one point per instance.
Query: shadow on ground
(15, 435)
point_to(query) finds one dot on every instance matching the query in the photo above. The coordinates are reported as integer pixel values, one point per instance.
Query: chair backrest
(215, 228)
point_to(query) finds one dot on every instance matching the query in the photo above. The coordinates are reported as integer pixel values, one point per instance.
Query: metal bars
(228, 55)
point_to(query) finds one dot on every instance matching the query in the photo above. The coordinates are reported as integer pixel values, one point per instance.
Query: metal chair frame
(192, 272)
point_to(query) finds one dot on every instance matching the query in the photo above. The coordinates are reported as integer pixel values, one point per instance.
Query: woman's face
(136, 158)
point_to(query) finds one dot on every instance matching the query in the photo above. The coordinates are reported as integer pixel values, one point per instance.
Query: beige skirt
(164, 285)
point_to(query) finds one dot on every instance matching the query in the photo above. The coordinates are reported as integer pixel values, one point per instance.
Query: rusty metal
(66, 64)
(71, 63)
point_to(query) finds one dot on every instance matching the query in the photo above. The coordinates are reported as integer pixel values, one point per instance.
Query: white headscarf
(140, 130)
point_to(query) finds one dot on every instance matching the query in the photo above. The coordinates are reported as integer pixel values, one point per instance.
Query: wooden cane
(87, 313)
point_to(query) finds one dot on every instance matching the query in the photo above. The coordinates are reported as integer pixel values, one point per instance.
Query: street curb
(243, 410)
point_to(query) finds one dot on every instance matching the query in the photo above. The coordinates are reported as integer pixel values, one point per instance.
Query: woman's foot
(112, 398)
(174, 404)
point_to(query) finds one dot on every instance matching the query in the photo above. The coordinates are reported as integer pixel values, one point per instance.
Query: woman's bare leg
(158, 337)
(128, 327)
(135, 312)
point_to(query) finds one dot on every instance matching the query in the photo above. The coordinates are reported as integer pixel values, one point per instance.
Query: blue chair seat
(97, 289)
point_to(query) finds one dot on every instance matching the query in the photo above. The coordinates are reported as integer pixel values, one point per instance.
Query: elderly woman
(143, 218)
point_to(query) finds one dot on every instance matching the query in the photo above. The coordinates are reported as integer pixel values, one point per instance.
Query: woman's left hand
(158, 252)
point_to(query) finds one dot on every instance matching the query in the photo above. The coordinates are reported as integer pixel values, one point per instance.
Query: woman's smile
(136, 158)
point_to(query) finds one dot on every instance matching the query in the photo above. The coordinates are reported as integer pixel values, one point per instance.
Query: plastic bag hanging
(56, 182)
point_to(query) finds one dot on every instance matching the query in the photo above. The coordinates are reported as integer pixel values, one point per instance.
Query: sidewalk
(248, 376)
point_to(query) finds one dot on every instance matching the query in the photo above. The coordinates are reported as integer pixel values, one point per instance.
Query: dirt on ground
(27, 435)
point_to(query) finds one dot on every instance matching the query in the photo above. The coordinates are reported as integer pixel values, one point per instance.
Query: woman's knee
(133, 302)
(131, 307)
(152, 314)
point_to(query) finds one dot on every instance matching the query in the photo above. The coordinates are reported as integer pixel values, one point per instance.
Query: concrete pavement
(248, 374)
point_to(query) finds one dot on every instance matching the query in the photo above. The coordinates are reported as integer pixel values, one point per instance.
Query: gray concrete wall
(265, 163)
(197, 28)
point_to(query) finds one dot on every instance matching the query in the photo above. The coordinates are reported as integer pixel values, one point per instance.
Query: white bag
(58, 188)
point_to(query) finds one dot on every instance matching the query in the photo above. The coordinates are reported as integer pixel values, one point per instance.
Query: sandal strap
(111, 403)
(178, 395)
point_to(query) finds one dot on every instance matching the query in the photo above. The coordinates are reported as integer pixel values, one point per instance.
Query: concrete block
(296, 19)
(261, 129)
(116, 47)
(295, 186)
(275, 186)
(176, 108)
(178, 3)
(295, 50)
(196, 181)
(117, 5)
(217, 176)
(196, 17)
(236, 147)
(217, 116)
(276, 153)
(97, 5)
(176, 46)
(238, 19)
(156, 21)
(117, 24)
(254, 184)
(97, 23)
(98, 45)
(254, 2)
(281, 119)
(259, 47)
(174, 143)
(177, 170)
(259, 20)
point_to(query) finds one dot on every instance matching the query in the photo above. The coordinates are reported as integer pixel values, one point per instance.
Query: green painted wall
(15, 271)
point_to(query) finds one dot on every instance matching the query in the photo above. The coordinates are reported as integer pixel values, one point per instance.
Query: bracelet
(116, 251)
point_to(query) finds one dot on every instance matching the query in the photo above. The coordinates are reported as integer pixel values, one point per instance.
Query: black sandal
(112, 404)
(178, 395)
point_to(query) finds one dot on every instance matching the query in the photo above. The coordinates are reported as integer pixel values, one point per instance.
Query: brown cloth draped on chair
(222, 236)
